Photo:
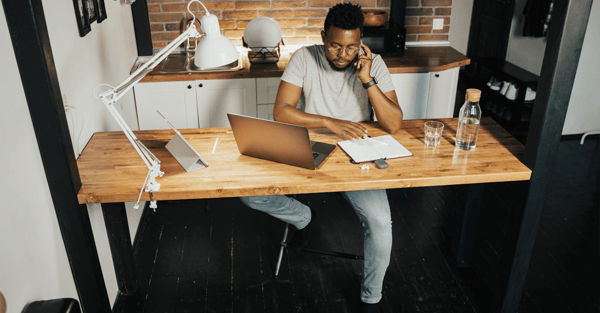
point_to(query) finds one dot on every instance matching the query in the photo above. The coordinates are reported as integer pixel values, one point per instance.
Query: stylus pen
(215, 147)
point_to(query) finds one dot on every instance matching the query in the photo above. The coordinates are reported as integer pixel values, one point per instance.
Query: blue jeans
(373, 210)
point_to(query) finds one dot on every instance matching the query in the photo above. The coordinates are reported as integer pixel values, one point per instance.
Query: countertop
(415, 60)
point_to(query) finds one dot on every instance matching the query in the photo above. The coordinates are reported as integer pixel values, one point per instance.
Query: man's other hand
(346, 129)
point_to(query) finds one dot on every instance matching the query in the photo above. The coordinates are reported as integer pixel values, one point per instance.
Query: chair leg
(283, 246)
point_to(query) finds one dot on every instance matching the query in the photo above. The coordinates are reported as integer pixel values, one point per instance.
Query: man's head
(341, 36)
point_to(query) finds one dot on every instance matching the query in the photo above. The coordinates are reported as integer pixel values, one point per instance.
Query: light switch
(438, 23)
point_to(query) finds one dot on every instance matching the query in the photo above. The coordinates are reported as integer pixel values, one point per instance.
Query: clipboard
(183, 152)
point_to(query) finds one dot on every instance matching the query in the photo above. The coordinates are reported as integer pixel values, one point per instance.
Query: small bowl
(375, 17)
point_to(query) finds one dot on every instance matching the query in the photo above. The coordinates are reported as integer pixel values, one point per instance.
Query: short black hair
(345, 16)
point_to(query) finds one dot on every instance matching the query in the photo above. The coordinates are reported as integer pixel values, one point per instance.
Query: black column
(29, 35)
(141, 24)
(565, 39)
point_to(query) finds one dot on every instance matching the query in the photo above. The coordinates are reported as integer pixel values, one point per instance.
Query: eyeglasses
(351, 50)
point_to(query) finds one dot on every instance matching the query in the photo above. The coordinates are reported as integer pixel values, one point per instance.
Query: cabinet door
(175, 100)
(265, 111)
(266, 90)
(442, 93)
(412, 90)
(217, 97)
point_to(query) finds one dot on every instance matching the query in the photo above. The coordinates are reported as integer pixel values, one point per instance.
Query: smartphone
(360, 49)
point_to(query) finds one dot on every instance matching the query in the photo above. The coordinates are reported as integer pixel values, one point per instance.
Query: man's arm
(285, 111)
(387, 110)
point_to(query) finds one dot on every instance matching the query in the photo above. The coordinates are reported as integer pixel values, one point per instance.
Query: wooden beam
(565, 39)
(31, 44)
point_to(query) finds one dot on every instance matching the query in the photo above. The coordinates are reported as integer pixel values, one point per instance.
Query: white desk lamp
(213, 50)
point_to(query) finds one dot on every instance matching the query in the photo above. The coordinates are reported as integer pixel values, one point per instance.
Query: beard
(341, 69)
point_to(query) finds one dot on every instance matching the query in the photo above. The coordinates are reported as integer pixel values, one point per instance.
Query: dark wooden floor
(219, 256)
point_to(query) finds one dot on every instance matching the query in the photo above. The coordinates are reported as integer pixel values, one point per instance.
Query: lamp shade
(214, 49)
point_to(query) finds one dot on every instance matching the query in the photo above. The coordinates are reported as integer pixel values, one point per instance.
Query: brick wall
(301, 21)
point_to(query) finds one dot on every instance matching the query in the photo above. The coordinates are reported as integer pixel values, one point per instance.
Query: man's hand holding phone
(363, 63)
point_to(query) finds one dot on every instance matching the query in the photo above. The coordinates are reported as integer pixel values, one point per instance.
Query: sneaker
(504, 87)
(530, 94)
(494, 84)
(300, 239)
(511, 93)
(369, 307)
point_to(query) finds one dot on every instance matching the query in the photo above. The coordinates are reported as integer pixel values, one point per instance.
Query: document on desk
(374, 148)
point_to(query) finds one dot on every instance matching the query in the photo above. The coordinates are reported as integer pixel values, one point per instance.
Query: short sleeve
(295, 70)
(380, 71)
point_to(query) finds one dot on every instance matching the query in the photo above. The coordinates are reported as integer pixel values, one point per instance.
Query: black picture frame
(101, 11)
(81, 15)
(92, 10)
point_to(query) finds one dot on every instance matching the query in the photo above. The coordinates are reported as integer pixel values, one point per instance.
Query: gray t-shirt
(332, 93)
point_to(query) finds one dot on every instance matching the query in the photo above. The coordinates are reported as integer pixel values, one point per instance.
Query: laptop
(278, 142)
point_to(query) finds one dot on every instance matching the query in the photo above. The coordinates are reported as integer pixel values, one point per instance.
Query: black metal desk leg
(466, 226)
(119, 239)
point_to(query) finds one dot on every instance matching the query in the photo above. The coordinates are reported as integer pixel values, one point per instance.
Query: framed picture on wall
(81, 14)
(101, 11)
(92, 8)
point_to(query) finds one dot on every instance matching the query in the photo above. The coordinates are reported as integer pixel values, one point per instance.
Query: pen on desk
(215, 147)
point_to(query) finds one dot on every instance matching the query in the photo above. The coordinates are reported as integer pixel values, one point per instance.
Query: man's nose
(343, 52)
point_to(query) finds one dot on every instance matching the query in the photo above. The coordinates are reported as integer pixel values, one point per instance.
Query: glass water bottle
(468, 121)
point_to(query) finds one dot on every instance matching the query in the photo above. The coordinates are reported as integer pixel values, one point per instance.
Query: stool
(284, 244)
(64, 305)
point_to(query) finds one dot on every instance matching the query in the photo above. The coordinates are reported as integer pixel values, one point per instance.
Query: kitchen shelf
(518, 123)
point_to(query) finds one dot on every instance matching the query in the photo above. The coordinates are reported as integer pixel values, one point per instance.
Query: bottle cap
(473, 95)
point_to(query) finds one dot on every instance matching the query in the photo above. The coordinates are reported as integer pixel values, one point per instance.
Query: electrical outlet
(438, 23)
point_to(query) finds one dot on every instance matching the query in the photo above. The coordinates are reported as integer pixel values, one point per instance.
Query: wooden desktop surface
(112, 171)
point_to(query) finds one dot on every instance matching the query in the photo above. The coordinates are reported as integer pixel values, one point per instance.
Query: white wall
(524, 52)
(584, 107)
(33, 261)
(460, 24)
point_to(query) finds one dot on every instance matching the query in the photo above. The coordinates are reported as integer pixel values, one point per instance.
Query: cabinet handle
(200, 85)
(189, 86)
(437, 75)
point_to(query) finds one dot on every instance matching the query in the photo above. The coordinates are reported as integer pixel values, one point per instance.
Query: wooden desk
(111, 170)
(112, 173)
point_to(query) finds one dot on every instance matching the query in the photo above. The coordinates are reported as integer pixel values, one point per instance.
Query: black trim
(565, 39)
(467, 219)
(117, 229)
(141, 24)
(29, 34)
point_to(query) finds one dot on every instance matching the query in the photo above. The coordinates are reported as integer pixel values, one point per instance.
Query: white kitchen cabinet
(175, 100)
(205, 103)
(193, 104)
(266, 92)
(426, 95)
(217, 97)
(412, 90)
(442, 93)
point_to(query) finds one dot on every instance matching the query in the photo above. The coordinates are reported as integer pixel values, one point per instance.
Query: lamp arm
(114, 94)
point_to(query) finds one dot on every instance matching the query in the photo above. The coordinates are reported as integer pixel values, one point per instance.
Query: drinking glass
(433, 133)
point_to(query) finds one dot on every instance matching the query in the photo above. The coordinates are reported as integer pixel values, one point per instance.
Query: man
(334, 86)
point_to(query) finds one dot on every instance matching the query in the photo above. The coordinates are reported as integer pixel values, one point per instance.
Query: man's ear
(323, 36)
